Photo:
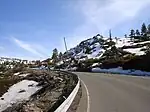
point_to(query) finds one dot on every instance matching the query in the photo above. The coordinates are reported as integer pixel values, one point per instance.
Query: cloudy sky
(31, 29)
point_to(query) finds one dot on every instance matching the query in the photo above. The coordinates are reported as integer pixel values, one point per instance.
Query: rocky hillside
(99, 51)
(31, 90)
(97, 46)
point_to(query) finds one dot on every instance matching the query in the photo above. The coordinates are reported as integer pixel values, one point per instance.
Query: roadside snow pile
(18, 92)
(121, 71)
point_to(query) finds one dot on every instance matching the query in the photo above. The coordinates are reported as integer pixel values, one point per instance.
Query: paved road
(117, 93)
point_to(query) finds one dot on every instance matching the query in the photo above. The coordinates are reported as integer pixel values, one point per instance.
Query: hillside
(97, 46)
(104, 52)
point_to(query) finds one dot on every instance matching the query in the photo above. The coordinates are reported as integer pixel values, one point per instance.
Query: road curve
(117, 93)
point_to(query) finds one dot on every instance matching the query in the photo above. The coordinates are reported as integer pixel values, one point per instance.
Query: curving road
(116, 93)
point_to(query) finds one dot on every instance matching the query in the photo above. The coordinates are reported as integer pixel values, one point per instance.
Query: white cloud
(30, 48)
(102, 15)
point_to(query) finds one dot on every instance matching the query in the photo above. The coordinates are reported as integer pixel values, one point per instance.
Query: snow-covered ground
(18, 92)
(24, 75)
(123, 42)
(17, 73)
(145, 42)
(21, 75)
(97, 52)
(121, 71)
(60, 62)
(95, 64)
(127, 42)
(137, 51)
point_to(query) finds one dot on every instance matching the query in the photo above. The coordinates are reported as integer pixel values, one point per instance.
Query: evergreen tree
(88, 50)
(55, 55)
(137, 32)
(116, 39)
(110, 36)
(132, 34)
(125, 35)
(60, 56)
(143, 29)
(148, 29)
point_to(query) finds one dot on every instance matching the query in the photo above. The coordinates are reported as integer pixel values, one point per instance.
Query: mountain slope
(97, 46)
(103, 52)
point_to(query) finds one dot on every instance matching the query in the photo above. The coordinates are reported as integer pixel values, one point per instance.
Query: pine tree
(125, 35)
(110, 36)
(148, 29)
(116, 39)
(137, 33)
(132, 34)
(143, 29)
(60, 56)
(55, 56)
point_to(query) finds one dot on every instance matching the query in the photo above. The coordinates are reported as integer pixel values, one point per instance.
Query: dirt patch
(5, 84)
(8, 79)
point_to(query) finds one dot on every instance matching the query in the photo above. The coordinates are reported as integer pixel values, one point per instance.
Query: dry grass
(5, 83)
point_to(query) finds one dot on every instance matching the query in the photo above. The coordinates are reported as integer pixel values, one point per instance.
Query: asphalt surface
(116, 93)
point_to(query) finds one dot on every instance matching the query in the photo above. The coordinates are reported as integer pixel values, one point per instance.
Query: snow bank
(121, 71)
(17, 93)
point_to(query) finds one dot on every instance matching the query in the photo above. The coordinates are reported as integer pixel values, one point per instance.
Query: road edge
(88, 96)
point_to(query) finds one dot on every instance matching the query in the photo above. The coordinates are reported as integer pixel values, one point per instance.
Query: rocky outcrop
(56, 87)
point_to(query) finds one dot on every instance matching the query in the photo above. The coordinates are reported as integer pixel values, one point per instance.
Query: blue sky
(31, 29)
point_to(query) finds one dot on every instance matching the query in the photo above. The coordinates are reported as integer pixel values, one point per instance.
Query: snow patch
(17, 93)
(24, 75)
(145, 42)
(60, 63)
(136, 51)
(21, 75)
(17, 73)
(120, 42)
(73, 68)
(121, 71)
(95, 64)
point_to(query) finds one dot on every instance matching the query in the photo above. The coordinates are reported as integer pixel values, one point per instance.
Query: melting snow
(15, 95)
(95, 64)
(145, 42)
(123, 42)
(136, 51)
(121, 71)
(17, 73)
(22, 75)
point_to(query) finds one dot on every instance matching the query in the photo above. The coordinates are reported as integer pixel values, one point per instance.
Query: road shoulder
(82, 107)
